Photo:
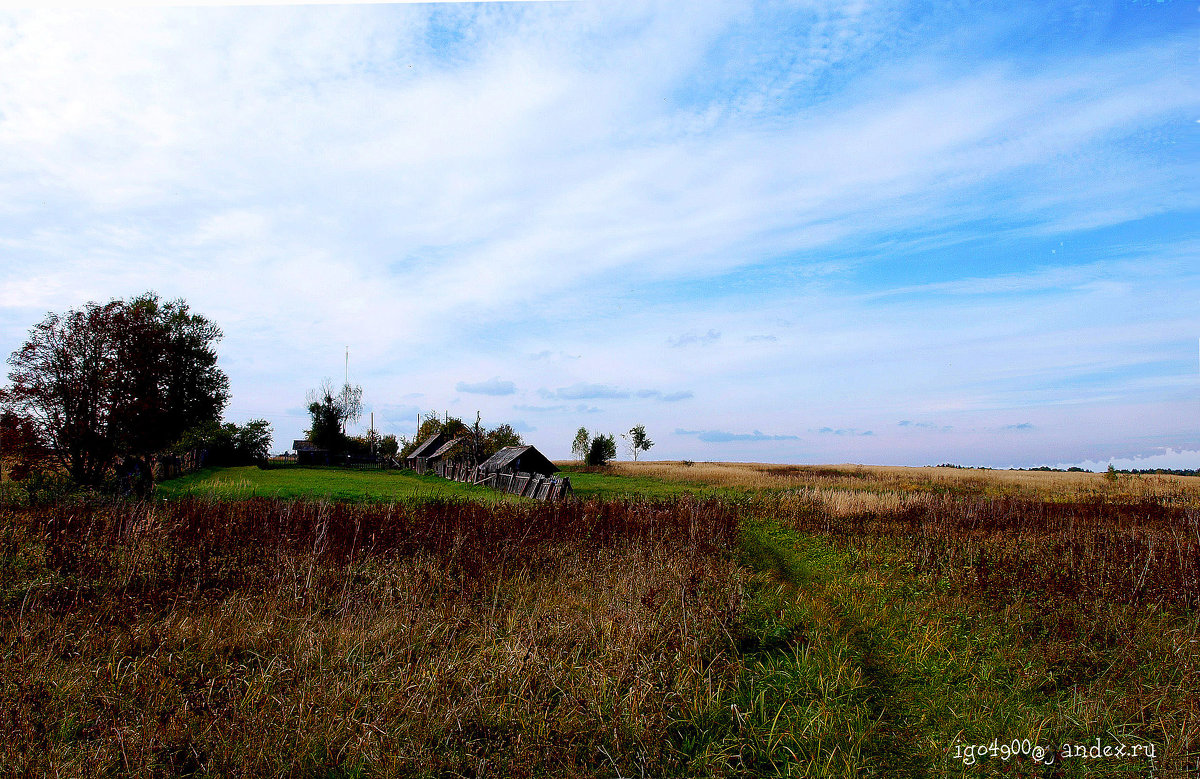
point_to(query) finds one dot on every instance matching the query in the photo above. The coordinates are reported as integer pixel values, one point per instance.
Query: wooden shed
(523, 459)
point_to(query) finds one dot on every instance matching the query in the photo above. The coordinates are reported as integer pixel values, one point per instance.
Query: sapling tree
(579, 447)
(637, 440)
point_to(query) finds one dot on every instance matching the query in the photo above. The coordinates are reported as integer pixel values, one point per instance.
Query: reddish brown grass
(288, 639)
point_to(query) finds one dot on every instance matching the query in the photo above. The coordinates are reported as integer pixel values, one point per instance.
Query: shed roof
(526, 457)
(444, 448)
(306, 446)
(428, 446)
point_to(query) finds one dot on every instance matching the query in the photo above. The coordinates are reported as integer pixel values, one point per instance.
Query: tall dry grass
(292, 639)
(846, 490)
(904, 480)
(1145, 553)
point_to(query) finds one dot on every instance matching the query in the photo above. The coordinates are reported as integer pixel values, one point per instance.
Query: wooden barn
(519, 459)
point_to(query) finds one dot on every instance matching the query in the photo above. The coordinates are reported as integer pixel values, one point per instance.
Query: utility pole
(475, 439)
(347, 382)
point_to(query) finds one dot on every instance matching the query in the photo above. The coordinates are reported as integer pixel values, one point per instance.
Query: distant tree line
(228, 444)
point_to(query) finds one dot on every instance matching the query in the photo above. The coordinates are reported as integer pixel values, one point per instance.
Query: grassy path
(856, 667)
(824, 686)
(848, 679)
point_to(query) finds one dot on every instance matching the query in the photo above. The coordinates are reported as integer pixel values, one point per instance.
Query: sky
(811, 232)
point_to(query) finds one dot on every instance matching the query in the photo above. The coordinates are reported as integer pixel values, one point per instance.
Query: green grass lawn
(354, 485)
(613, 486)
(340, 484)
(856, 667)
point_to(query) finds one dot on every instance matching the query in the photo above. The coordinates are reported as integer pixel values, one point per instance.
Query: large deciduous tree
(330, 411)
(124, 379)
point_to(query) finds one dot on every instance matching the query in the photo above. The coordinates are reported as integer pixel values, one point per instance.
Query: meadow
(676, 619)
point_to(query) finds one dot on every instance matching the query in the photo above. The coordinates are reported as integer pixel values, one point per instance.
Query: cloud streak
(724, 436)
(493, 386)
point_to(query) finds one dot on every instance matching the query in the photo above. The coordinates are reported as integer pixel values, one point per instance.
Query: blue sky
(874, 232)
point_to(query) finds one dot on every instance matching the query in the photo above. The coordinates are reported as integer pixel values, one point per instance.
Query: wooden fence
(529, 485)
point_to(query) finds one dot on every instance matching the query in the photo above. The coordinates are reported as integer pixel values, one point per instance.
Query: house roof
(306, 446)
(530, 459)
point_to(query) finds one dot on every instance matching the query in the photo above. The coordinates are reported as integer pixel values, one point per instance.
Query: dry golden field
(848, 489)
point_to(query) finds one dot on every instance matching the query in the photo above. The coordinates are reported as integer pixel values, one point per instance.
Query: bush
(37, 487)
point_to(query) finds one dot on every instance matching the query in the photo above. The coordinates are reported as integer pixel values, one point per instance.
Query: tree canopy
(125, 379)
(602, 449)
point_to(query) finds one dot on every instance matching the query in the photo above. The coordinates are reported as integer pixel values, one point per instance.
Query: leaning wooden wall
(529, 485)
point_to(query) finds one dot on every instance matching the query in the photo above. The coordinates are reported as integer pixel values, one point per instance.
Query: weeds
(269, 638)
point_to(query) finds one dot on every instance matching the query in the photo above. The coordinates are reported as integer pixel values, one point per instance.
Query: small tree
(602, 449)
(254, 441)
(637, 440)
(21, 451)
(581, 444)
